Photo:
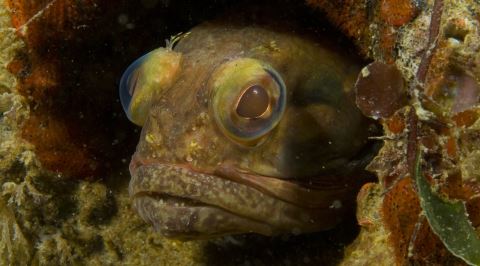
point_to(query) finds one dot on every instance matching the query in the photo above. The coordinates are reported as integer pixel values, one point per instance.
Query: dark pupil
(253, 102)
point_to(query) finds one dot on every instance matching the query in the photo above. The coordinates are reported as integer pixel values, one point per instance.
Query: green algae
(448, 220)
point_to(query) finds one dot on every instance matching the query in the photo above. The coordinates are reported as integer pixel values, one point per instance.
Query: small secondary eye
(253, 103)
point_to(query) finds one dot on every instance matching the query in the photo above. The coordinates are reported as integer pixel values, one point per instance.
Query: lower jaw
(203, 206)
(178, 218)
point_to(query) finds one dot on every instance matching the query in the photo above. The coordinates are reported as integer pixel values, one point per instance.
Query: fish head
(244, 129)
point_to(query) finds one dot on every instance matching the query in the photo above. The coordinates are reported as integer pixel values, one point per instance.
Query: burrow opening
(70, 75)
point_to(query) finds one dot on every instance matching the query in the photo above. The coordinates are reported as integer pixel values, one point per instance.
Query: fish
(248, 126)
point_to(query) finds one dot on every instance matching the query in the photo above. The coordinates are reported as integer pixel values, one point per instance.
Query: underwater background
(66, 143)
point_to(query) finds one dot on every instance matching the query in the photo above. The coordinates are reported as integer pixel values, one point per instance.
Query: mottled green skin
(191, 181)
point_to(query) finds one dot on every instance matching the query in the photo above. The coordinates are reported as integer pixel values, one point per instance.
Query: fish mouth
(189, 204)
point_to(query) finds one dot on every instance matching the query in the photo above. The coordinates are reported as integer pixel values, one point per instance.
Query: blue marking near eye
(128, 81)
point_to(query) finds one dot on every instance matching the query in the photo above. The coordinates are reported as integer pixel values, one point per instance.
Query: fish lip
(304, 195)
(245, 214)
(186, 231)
(316, 197)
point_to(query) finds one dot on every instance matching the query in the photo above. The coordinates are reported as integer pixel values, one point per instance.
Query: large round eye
(144, 79)
(248, 100)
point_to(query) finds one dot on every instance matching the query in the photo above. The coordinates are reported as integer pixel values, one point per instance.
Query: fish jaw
(186, 204)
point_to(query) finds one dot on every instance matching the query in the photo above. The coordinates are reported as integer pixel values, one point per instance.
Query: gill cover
(145, 78)
(249, 99)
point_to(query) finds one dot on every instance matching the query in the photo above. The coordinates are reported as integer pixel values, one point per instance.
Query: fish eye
(253, 102)
(248, 99)
(144, 79)
(128, 83)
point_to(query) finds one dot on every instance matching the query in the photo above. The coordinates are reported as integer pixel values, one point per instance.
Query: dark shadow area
(323, 248)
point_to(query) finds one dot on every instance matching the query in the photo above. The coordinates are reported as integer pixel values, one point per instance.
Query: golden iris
(248, 100)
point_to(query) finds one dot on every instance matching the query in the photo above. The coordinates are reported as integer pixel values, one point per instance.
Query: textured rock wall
(48, 220)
